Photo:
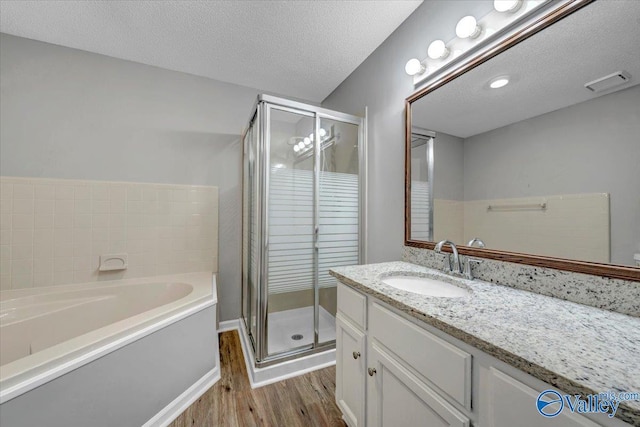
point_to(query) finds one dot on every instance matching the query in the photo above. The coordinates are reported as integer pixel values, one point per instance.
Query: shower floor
(283, 325)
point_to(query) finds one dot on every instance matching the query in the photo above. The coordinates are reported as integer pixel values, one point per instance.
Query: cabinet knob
(372, 371)
(356, 354)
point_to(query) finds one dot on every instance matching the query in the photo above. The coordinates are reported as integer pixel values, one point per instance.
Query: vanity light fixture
(499, 82)
(414, 66)
(303, 147)
(507, 5)
(468, 28)
(437, 50)
(475, 34)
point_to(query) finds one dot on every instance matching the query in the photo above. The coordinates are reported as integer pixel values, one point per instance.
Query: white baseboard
(182, 402)
(229, 325)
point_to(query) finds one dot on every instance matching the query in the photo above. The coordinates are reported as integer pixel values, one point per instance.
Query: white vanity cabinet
(351, 352)
(505, 401)
(376, 386)
(396, 397)
(350, 371)
(394, 371)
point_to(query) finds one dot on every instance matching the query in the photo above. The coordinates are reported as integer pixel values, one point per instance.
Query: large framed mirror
(546, 169)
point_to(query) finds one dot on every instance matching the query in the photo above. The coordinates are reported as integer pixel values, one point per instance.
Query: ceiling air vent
(607, 82)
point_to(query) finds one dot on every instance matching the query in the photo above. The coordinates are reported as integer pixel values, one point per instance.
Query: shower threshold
(284, 326)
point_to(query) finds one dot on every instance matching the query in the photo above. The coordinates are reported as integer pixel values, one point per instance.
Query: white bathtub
(49, 332)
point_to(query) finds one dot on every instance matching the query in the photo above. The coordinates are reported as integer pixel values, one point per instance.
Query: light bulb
(296, 148)
(322, 132)
(300, 145)
(468, 28)
(507, 5)
(307, 141)
(499, 82)
(414, 66)
(437, 50)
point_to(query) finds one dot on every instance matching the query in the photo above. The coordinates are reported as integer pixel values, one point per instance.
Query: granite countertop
(576, 348)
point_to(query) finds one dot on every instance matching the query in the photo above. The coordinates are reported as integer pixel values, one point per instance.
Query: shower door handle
(356, 354)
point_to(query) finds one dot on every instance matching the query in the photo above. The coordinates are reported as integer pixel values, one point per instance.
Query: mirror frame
(599, 269)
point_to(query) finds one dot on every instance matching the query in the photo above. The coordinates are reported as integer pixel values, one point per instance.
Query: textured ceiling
(548, 72)
(302, 49)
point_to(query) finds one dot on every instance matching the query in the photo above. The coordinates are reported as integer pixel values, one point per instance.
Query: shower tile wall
(52, 232)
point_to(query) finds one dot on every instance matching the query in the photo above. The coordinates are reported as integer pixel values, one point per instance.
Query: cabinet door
(444, 367)
(396, 398)
(508, 403)
(350, 371)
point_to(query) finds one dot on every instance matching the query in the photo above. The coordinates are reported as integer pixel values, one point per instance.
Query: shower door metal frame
(255, 120)
(262, 111)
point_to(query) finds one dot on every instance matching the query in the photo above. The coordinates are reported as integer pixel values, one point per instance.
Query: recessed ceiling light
(499, 82)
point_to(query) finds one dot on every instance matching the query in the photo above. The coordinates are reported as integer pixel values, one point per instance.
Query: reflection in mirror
(421, 184)
(548, 164)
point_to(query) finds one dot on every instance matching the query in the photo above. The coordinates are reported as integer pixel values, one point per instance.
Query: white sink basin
(425, 286)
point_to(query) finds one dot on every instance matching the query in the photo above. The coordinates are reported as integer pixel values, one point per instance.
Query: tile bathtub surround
(53, 231)
(618, 295)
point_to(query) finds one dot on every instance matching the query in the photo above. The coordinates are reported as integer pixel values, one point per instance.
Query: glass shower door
(290, 225)
(302, 215)
(338, 214)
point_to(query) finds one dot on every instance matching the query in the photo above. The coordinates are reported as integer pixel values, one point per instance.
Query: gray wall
(381, 83)
(448, 182)
(448, 168)
(67, 113)
(591, 147)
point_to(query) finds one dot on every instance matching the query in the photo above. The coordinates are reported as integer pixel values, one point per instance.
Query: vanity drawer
(445, 366)
(353, 305)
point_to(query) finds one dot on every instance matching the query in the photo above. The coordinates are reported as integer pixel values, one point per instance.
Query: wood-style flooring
(306, 400)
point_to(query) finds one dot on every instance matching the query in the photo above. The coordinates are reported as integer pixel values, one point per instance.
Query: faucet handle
(467, 267)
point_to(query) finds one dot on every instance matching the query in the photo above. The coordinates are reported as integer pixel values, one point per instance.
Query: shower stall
(304, 175)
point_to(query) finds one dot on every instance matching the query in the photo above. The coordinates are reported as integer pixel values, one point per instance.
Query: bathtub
(127, 352)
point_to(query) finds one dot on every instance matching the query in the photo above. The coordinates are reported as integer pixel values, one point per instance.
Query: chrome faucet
(455, 266)
(474, 241)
